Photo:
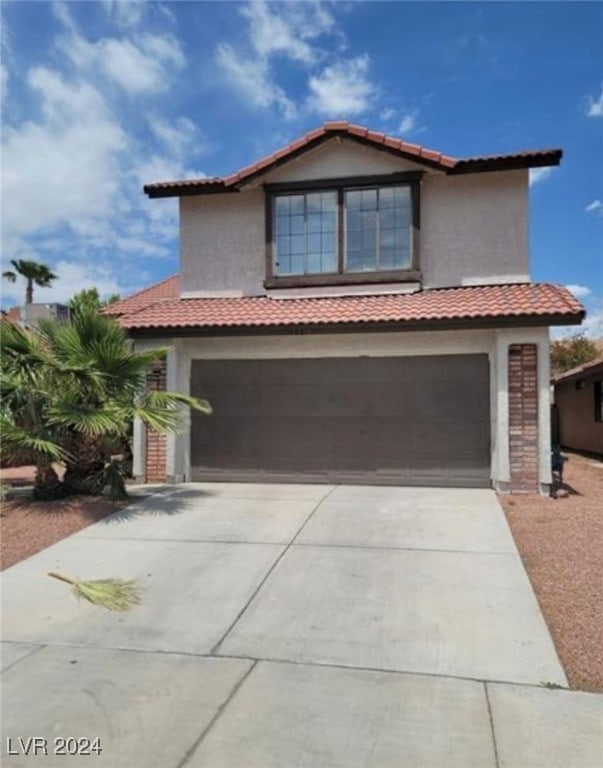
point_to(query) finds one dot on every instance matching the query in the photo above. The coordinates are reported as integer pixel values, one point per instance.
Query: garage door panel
(418, 420)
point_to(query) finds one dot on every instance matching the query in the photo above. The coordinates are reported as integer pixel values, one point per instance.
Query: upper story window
(342, 232)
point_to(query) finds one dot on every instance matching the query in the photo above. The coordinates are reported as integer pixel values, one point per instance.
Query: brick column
(156, 443)
(523, 418)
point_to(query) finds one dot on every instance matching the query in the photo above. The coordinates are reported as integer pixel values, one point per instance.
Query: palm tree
(70, 392)
(33, 272)
(26, 381)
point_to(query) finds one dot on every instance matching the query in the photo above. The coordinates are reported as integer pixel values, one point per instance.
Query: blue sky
(102, 97)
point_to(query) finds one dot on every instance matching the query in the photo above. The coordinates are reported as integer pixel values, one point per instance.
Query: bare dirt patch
(27, 527)
(561, 544)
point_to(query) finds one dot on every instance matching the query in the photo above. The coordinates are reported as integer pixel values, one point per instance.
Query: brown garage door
(412, 420)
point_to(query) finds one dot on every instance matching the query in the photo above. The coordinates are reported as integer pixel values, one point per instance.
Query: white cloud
(284, 30)
(595, 207)
(579, 291)
(125, 13)
(408, 123)
(252, 78)
(539, 174)
(72, 175)
(593, 324)
(277, 31)
(64, 168)
(141, 63)
(3, 81)
(595, 106)
(342, 88)
(180, 134)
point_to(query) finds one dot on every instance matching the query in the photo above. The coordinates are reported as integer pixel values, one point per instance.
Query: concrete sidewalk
(294, 625)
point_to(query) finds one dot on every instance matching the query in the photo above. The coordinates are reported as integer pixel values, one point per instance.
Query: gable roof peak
(430, 158)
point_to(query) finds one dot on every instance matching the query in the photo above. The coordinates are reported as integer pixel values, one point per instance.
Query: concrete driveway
(293, 625)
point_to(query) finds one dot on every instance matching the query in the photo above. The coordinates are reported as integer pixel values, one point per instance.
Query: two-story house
(356, 309)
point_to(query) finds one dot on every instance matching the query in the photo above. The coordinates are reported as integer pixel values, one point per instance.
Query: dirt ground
(561, 544)
(26, 527)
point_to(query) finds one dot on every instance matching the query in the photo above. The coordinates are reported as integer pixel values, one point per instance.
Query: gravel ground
(561, 544)
(26, 527)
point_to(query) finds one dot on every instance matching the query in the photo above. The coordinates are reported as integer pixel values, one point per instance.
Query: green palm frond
(162, 411)
(17, 439)
(89, 419)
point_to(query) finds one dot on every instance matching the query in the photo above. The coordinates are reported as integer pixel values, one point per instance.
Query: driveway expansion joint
(191, 750)
(390, 548)
(276, 660)
(491, 719)
(216, 648)
(39, 647)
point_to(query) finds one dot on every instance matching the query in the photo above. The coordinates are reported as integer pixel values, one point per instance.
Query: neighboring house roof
(166, 289)
(13, 315)
(586, 369)
(428, 157)
(485, 305)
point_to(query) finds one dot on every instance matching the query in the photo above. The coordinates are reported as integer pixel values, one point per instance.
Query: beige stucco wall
(339, 158)
(473, 227)
(494, 343)
(577, 426)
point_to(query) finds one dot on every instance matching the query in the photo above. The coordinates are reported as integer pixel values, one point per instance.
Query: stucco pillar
(178, 444)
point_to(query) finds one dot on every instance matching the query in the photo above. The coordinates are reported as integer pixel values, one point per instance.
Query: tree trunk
(47, 486)
(29, 291)
(89, 457)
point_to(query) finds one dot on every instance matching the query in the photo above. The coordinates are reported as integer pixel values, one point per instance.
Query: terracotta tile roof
(486, 304)
(13, 315)
(166, 289)
(594, 366)
(421, 155)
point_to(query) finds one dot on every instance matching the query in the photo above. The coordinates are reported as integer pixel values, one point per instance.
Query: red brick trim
(523, 418)
(156, 443)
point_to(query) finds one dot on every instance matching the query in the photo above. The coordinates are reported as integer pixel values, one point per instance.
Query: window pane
(297, 263)
(402, 197)
(361, 230)
(328, 243)
(314, 265)
(313, 202)
(378, 225)
(282, 206)
(386, 197)
(369, 200)
(328, 260)
(352, 200)
(283, 246)
(387, 257)
(283, 266)
(329, 221)
(298, 245)
(297, 225)
(314, 222)
(297, 205)
(314, 243)
(283, 225)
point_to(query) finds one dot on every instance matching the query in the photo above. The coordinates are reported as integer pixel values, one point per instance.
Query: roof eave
(515, 321)
(592, 369)
(546, 158)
